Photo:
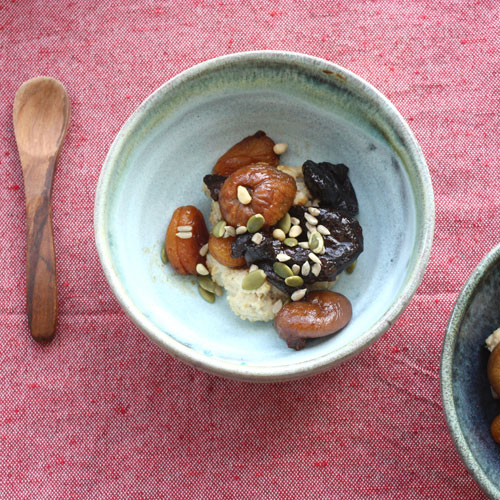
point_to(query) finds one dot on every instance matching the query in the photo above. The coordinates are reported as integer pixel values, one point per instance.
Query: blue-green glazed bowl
(324, 113)
(467, 401)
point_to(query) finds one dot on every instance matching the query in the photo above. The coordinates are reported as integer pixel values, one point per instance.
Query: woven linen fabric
(101, 412)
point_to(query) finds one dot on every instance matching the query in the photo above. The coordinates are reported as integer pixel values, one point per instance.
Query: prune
(257, 148)
(184, 253)
(331, 185)
(318, 315)
(272, 195)
(214, 184)
(342, 247)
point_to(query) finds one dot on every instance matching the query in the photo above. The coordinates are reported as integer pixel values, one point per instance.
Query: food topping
(331, 185)
(326, 257)
(272, 194)
(257, 148)
(320, 314)
(183, 245)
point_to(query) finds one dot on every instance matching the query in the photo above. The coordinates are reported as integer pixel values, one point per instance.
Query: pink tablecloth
(102, 413)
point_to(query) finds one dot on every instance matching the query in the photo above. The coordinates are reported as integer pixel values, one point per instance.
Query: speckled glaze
(465, 390)
(324, 113)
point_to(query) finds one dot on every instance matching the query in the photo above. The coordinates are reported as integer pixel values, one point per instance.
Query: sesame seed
(311, 219)
(314, 258)
(204, 250)
(283, 257)
(316, 269)
(296, 269)
(314, 211)
(306, 268)
(257, 238)
(279, 234)
(299, 294)
(243, 195)
(184, 236)
(323, 230)
(184, 229)
(202, 270)
(295, 231)
(241, 230)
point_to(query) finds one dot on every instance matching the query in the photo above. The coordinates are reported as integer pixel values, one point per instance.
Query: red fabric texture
(101, 412)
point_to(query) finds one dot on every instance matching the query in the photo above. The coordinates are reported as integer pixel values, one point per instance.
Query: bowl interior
(159, 159)
(468, 401)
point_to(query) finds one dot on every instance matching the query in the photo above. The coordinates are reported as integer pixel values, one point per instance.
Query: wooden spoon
(41, 118)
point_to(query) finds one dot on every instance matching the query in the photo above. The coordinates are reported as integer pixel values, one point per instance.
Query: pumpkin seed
(163, 254)
(294, 281)
(285, 223)
(351, 267)
(291, 242)
(219, 229)
(255, 223)
(253, 280)
(218, 290)
(282, 270)
(316, 243)
(209, 297)
(207, 284)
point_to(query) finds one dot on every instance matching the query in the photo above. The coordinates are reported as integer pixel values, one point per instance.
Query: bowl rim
(446, 383)
(307, 367)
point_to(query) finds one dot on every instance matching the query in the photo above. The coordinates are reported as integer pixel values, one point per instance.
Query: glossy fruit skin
(257, 148)
(220, 250)
(319, 314)
(184, 254)
(494, 369)
(272, 194)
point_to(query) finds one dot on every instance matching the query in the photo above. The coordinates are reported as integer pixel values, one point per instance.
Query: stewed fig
(271, 195)
(257, 148)
(321, 313)
(186, 234)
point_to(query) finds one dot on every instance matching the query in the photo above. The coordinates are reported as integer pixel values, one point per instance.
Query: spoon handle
(41, 285)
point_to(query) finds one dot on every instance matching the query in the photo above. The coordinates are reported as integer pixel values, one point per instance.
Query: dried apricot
(257, 148)
(186, 234)
(272, 194)
(220, 249)
(321, 313)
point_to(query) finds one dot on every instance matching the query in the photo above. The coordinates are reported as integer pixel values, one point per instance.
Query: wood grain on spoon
(41, 119)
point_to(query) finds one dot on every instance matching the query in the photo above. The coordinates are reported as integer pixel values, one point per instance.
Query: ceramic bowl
(467, 401)
(324, 113)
